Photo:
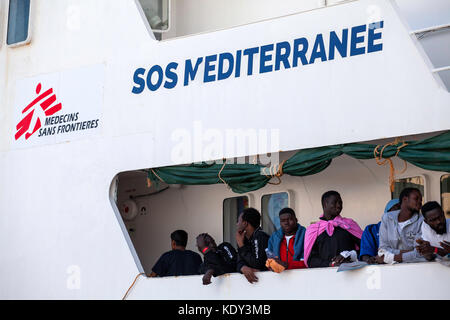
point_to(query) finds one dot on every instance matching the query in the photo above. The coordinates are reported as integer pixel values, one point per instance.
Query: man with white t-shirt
(435, 232)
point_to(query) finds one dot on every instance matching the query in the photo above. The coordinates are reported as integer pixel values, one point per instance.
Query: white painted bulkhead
(59, 236)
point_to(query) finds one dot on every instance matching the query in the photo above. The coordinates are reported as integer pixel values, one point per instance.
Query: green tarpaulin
(431, 154)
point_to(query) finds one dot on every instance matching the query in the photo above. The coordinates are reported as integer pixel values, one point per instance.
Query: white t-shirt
(401, 225)
(428, 234)
(288, 238)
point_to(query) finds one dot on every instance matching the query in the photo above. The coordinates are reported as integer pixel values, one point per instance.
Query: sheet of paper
(352, 266)
(444, 260)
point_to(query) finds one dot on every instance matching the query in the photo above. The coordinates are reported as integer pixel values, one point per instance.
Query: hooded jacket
(276, 238)
(392, 241)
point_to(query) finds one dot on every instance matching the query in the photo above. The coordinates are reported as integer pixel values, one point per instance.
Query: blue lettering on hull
(348, 42)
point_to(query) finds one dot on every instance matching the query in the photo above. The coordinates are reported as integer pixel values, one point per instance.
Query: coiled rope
(378, 155)
(275, 170)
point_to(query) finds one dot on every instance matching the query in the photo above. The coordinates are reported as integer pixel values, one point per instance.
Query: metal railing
(427, 30)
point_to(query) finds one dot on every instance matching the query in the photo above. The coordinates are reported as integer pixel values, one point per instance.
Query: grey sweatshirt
(393, 241)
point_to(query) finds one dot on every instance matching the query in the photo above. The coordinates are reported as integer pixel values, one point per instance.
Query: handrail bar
(440, 69)
(434, 28)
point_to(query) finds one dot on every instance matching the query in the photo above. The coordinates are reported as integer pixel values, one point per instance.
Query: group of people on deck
(407, 232)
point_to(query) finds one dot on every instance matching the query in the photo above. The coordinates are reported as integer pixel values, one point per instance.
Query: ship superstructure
(96, 95)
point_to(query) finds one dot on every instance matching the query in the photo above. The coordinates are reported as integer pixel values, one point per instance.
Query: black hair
(209, 241)
(430, 205)
(406, 192)
(328, 194)
(180, 237)
(287, 210)
(252, 216)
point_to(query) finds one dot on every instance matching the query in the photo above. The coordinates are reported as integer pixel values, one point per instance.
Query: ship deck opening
(150, 212)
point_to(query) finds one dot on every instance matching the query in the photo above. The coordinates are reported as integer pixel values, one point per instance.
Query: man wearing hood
(400, 229)
(288, 241)
(370, 239)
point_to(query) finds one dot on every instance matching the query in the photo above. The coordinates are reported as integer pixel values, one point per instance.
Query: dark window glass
(18, 19)
(271, 205)
(157, 13)
(232, 207)
(413, 182)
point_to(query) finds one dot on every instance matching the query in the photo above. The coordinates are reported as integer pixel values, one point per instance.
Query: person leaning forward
(287, 242)
(252, 243)
(218, 259)
(435, 232)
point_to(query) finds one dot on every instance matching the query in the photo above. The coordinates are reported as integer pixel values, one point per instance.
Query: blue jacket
(370, 240)
(276, 238)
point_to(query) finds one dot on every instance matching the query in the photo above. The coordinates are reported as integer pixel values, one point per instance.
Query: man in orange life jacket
(288, 241)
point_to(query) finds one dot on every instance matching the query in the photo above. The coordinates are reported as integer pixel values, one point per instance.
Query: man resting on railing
(287, 243)
(370, 239)
(435, 232)
(334, 239)
(400, 229)
(217, 260)
(252, 243)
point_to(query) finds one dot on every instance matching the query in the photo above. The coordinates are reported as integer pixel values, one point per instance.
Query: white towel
(352, 254)
(388, 256)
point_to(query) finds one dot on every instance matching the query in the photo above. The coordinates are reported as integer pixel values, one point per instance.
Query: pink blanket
(316, 229)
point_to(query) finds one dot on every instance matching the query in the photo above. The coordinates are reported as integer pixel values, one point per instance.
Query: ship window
(232, 207)
(18, 22)
(414, 182)
(445, 194)
(271, 204)
(157, 13)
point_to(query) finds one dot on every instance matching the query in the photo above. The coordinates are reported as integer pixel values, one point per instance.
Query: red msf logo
(32, 119)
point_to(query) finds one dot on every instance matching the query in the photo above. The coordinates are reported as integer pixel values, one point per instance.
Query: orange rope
(274, 171)
(380, 161)
(223, 166)
(140, 274)
(149, 182)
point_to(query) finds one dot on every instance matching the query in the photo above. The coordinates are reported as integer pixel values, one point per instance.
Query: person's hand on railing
(249, 273)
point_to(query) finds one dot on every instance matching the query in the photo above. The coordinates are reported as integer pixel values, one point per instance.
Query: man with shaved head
(435, 232)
